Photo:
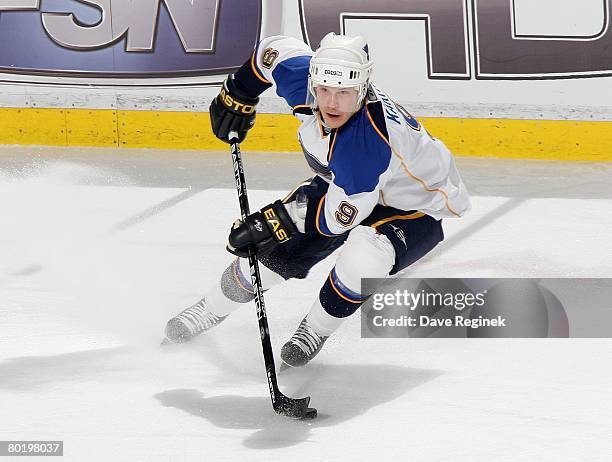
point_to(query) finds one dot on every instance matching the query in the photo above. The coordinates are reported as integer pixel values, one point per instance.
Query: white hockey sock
(218, 303)
(234, 288)
(321, 321)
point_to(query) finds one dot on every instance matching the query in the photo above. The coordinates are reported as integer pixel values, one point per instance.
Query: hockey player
(381, 188)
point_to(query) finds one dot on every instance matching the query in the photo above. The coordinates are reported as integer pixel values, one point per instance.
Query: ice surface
(90, 272)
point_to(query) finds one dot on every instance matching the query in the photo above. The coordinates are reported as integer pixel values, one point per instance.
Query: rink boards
(580, 140)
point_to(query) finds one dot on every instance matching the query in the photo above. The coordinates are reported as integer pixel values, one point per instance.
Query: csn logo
(135, 38)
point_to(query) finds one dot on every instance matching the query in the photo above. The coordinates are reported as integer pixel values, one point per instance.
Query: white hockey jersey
(382, 155)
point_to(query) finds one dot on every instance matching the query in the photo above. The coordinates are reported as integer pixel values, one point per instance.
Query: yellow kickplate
(525, 139)
(505, 138)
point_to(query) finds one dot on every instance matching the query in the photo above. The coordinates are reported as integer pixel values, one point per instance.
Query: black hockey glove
(232, 110)
(265, 229)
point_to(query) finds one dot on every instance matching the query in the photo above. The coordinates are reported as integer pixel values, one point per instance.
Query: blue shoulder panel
(291, 78)
(360, 154)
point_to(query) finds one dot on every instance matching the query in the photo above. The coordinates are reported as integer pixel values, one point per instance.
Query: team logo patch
(400, 235)
(268, 58)
(346, 214)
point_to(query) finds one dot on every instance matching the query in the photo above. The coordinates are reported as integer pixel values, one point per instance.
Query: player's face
(336, 105)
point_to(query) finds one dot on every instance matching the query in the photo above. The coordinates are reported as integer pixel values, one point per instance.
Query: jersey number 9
(346, 214)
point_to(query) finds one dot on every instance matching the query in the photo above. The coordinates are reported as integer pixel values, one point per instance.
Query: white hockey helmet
(341, 61)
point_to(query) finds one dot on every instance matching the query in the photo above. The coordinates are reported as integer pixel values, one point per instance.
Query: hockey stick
(296, 408)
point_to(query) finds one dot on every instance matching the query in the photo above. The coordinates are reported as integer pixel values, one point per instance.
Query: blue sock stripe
(335, 304)
(355, 297)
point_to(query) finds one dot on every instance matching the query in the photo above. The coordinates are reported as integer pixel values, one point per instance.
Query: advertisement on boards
(144, 40)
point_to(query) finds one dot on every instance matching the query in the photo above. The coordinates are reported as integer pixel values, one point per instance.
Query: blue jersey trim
(377, 113)
(322, 222)
(291, 79)
(354, 297)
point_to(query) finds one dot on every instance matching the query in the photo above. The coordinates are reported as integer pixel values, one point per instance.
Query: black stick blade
(295, 408)
(311, 413)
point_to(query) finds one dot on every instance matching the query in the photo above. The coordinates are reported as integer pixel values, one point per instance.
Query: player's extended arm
(277, 60)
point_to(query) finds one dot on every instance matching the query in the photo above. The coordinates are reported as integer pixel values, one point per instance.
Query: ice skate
(190, 323)
(304, 345)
